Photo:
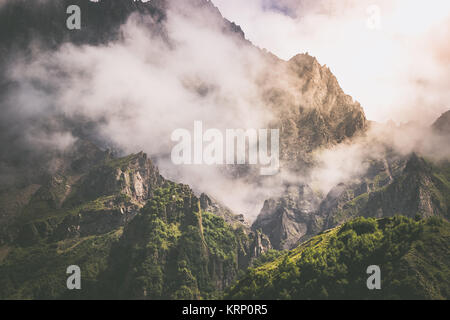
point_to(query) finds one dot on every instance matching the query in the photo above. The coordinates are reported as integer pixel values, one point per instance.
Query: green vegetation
(39, 272)
(170, 250)
(52, 226)
(173, 250)
(269, 256)
(414, 258)
(441, 188)
(121, 163)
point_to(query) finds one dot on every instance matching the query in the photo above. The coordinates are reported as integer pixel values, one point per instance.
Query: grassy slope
(170, 250)
(189, 251)
(414, 258)
(173, 250)
(39, 271)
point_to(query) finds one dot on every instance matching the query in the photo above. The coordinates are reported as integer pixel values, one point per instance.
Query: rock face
(173, 247)
(442, 124)
(310, 108)
(134, 177)
(290, 219)
(175, 250)
(313, 112)
(209, 204)
(416, 188)
(98, 201)
(396, 185)
(422, 189)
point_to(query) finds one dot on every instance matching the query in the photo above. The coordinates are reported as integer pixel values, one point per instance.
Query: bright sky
(393, 56)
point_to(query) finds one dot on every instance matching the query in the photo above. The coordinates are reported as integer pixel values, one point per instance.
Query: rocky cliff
(159, 240)
(310, 108)
(393, 184)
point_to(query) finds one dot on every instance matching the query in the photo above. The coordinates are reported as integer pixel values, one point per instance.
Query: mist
(349, 161)
(391, 56)
(137, 90)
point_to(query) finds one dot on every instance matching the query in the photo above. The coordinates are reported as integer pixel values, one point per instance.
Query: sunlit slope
(413, 256)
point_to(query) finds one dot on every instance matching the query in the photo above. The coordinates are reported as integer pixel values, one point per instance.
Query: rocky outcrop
(198, 244)
(344, 201)
(416, 188)
(133, 176)
(312, 112)
(73, 204)
(395, 185)
(422, 189)
(290, 219)
(442, 124)
(256, 244)
(310, 108)
(175, 250)
(207, 203)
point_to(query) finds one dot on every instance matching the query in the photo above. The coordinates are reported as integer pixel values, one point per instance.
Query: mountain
(407, 186)
(115, 217)
(413, 257)
(306, 101)
(309, 106)
(137, 235)
(311, 109)
(442, 124)
(289, 219)
(393, 184)
(175, 250)
(421, 189)
(119, 217)
(45, 21)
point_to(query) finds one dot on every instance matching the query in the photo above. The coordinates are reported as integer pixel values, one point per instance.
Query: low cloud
(138, 90)
(395, 71)
(349, 161)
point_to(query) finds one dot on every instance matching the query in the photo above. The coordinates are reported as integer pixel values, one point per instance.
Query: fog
(390, 55)
(350, 160)
(139, 89)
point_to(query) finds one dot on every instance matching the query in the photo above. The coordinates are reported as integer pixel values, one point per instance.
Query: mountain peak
(442, 124)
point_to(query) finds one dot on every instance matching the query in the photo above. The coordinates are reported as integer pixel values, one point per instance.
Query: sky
(393, 56)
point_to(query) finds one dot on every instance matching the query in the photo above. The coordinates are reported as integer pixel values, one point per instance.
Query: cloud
(395, 72)
(137, 90)
(349, 161)
(141, 88)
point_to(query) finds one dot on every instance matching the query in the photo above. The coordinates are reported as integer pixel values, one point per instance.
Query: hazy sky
(393, 56)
